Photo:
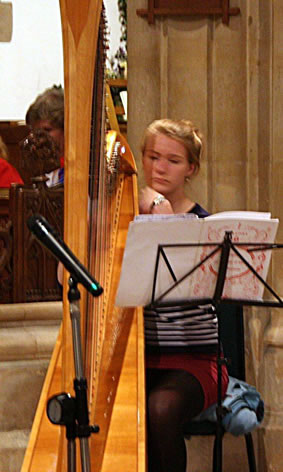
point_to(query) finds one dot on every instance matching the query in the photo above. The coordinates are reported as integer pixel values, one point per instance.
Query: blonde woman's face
(166, 165)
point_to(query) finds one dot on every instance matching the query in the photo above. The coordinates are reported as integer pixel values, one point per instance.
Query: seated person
(181, 376)
(40, 157)
(8, 173)
(47, 113)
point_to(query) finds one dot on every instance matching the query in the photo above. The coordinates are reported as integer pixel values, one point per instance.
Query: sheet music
(175, 216)
(145, 234)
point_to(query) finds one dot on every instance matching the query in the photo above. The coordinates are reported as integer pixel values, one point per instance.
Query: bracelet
(157, 201)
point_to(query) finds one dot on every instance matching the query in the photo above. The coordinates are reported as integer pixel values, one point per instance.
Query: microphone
(40, 227)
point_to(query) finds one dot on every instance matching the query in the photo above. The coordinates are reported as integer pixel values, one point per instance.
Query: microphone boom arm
(47, 235)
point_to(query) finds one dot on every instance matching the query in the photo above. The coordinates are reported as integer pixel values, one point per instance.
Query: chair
(232, 337)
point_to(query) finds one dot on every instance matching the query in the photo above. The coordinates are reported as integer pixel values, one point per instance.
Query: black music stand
(226, 246)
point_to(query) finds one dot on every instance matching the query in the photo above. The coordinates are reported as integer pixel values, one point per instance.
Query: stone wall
(27, 336)
(228, 80)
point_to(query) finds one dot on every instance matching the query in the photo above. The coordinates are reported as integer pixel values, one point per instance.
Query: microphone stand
(73, 411)
(63, 409)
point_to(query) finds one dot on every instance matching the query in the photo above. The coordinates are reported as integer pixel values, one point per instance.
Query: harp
(113, 338)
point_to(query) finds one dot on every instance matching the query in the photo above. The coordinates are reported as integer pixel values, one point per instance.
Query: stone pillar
(271, 173)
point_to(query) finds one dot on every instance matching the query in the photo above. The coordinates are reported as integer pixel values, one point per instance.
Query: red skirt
(201, 366)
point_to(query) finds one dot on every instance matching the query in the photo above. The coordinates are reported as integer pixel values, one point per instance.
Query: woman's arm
(153, 202)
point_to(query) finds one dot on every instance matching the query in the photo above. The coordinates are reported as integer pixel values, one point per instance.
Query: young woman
(181, 381)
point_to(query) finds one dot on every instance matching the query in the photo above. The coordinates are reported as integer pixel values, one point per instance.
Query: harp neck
(80, 23)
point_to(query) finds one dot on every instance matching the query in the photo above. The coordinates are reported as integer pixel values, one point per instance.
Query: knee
(164, 407)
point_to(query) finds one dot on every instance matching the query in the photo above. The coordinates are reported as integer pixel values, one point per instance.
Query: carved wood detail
(34, 267)
(157, 8)
(27, 271)
(5, 262)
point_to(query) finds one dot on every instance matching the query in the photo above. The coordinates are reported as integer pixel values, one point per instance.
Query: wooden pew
(34, 267)
(6, 278)
(28, 272)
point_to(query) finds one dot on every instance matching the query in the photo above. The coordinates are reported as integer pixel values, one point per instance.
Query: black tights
(173, 398)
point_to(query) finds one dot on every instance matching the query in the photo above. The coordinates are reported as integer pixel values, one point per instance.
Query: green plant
(122, 7)
(118, 62)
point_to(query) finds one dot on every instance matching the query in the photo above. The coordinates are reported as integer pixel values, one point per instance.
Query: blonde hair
(3, 149)
(183, 131)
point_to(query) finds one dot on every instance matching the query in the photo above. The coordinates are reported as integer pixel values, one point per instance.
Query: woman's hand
(146, 202)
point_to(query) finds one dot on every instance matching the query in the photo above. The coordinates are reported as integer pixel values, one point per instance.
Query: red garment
(202, 366)
(8, 174)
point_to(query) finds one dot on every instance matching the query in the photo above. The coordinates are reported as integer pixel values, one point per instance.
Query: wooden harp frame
(120, 445)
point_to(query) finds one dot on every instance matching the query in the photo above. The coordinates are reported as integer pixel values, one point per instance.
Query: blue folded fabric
(243, 405)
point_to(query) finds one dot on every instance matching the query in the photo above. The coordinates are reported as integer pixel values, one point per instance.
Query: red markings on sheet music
(240, 281)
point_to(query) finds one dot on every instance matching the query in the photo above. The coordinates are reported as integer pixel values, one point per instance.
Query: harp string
(96, 210)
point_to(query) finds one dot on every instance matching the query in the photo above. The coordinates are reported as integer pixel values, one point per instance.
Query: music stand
(226, 246)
